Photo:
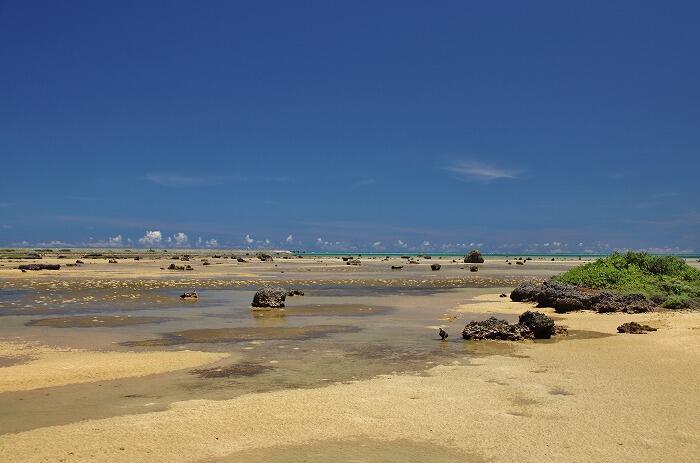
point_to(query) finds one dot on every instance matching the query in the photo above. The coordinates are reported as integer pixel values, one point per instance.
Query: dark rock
(427, 257)
(295, 292)
(346, 258)
(264, 257)
(634, 328)
(435, 266)
(443, 334)
(240, 259)
(112, 261)
(270, 297)
(396, 267)
(541, 325)
(525, 292)
(520, 262)
(79, 261)
(566, 298)
(189, 295)
(474, 257)
(353, 262)
(188, 267)
(503, 295)
(493, 328)
(473, 268)
(39, 267)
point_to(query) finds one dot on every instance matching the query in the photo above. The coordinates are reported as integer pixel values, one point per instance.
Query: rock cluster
(531, 325)
(295, 292)
(353, 262)
(272, 297)
(566, 298)
(634, 328)
(39, 267)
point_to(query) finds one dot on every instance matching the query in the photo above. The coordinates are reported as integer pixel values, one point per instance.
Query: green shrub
(664, 279)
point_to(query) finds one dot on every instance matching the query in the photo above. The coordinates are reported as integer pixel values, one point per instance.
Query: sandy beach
(594, 395)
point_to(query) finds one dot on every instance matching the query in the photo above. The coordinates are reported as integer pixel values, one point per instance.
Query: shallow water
(330, 335)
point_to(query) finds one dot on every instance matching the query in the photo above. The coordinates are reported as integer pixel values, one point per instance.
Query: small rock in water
(443, 334)
(435, 266)
(272, 297)
(295, 292)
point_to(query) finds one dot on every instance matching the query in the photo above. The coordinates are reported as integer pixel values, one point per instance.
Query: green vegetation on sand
(666, 280)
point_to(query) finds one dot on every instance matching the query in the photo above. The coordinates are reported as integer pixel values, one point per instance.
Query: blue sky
(512, 126)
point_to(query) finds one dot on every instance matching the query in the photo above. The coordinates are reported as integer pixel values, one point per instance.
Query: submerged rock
(566, 298)
(474, 257)
(295, 292)
(272, 297)
(189, 295)
(634, 328)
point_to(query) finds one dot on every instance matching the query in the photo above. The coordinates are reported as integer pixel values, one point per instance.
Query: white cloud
(289, 239)
(181, 239)
(425, 243)
(212, 243)
(376, 244)
(177, 180)
(472, 170)
(267, 241)
(151, 238)
(248, 239)
(402, 244)
(115, 240)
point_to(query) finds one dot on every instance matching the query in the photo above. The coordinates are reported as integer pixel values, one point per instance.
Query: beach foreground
(594, 395)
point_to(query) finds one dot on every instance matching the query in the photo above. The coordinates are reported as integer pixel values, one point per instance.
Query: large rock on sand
(541, 325)
(493, 328)
(270, 297)
(566, 298)
(474, 257)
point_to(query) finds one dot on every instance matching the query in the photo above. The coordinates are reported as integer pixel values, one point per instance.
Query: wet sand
(382, 388)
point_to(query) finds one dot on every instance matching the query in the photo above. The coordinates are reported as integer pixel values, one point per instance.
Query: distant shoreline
(324, 254)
